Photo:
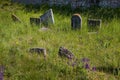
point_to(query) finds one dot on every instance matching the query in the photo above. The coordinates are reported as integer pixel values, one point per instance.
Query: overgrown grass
(16, 38)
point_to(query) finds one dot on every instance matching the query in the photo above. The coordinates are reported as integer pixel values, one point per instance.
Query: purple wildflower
(87, 66)
(93, 68)
(85, 60)
(1, 75)
(1, 68)
(74, 63)
(1, 72)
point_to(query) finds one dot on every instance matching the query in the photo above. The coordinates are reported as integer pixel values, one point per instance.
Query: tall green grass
(16, 38)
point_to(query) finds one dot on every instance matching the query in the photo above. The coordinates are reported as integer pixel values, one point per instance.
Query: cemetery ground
(101, 48)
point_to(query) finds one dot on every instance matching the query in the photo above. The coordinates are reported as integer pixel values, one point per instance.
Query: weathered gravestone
(63, 52)
(35, 21)
(94, 24)
(15, 18)
(76, 21)
(38, 50)
(47, 17)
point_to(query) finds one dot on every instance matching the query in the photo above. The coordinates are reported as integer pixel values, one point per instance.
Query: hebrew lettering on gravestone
(35, 21)
(76, 21)
(94, 24)
(47, 17)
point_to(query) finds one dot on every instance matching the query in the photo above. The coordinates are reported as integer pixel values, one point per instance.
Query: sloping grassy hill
(102, 49)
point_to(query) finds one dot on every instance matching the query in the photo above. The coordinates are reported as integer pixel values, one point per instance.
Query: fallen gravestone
(94, 24)
(35, 21)
(76, 21)
(15, 18)
(47, 17)
(38, 50)
(63, 52)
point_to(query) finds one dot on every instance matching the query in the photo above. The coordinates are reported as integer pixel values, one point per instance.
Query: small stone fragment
(15, 18)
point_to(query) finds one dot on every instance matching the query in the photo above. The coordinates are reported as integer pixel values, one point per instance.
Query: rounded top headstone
(76, 21)
(76, 14)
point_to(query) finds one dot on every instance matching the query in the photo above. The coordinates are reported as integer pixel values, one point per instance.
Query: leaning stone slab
(38, 50)
(94, 24)
(15, 18)
(76, 21)
(35, 21)
(63, 52)
(47, 17)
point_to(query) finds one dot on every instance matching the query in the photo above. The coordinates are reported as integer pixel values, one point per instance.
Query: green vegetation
(103, 48)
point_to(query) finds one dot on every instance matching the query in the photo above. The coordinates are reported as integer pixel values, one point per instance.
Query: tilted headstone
(94, 24)
(76, 21)
(15, 18)
(47, 17)
(38, 50)
(35, 21)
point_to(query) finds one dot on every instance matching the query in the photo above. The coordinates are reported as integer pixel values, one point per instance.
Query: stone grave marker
(38, 51)
(35, 21)
(15, 18)
(94, 24)
(76, 21)
(47, 17)
(65, 53)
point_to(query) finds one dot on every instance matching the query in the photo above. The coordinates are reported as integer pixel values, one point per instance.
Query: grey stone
(76, 21)
(38, 50)
(44, 29)
(63, 52)
(47, 17)
(15, 18)
(35, 21)
(94, 24)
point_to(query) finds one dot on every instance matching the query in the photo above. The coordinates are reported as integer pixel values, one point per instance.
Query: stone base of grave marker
(35, 21)
(94, 24)
(47, 17)
(76, 21)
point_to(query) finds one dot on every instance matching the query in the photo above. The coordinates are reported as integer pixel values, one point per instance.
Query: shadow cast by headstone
(109, 70)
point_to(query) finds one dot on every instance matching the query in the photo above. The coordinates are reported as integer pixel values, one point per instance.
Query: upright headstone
(47, 17)
(15, 18)
(76, 21)
(35, 21)
(94, 24)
